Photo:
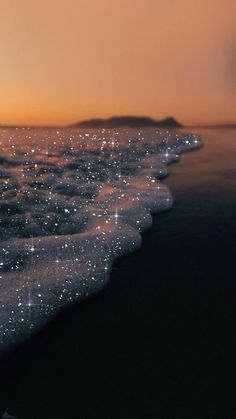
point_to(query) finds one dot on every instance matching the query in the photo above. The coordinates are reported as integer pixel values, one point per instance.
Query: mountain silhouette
(128, 121)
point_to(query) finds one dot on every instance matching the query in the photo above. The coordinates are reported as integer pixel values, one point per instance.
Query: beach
(158, 340)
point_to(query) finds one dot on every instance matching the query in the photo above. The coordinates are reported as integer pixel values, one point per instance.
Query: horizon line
(73, 124)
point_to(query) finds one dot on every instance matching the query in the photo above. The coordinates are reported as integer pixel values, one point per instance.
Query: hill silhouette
(128, 121)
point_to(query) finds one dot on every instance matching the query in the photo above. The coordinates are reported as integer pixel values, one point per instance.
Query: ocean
(158, 340)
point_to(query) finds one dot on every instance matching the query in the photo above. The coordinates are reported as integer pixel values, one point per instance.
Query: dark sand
(158, 342)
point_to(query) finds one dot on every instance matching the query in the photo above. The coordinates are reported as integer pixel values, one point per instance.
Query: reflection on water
(205, 184)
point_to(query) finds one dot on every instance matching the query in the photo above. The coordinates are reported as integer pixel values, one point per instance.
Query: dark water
(159, 341)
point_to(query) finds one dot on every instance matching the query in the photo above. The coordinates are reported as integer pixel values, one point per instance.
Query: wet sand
(159, 340)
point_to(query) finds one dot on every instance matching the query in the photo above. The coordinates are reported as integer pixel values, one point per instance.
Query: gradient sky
(66, 60)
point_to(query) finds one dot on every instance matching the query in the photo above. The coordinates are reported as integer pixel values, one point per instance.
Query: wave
(71, 202)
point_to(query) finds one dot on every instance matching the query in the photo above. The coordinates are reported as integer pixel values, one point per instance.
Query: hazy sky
(65, 60)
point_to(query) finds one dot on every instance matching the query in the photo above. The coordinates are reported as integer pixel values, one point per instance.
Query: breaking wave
(72, 201)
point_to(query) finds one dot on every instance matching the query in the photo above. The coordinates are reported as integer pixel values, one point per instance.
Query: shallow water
(71, 202)
(208, 180)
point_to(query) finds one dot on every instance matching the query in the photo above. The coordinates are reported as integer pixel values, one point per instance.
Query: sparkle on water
(71, 201)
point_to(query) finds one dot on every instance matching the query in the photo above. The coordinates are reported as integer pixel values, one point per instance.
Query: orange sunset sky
(66, 60)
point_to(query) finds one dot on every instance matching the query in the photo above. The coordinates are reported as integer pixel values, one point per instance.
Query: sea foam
(71, 202)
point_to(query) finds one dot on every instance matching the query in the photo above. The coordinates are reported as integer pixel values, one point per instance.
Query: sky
(62, 61)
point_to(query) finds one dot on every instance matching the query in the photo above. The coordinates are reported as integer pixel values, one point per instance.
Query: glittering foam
(72, 201)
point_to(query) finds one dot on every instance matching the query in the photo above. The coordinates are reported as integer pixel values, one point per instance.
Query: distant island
(128, 121)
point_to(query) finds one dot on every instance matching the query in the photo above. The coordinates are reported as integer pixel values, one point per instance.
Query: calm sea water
(207, 177)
